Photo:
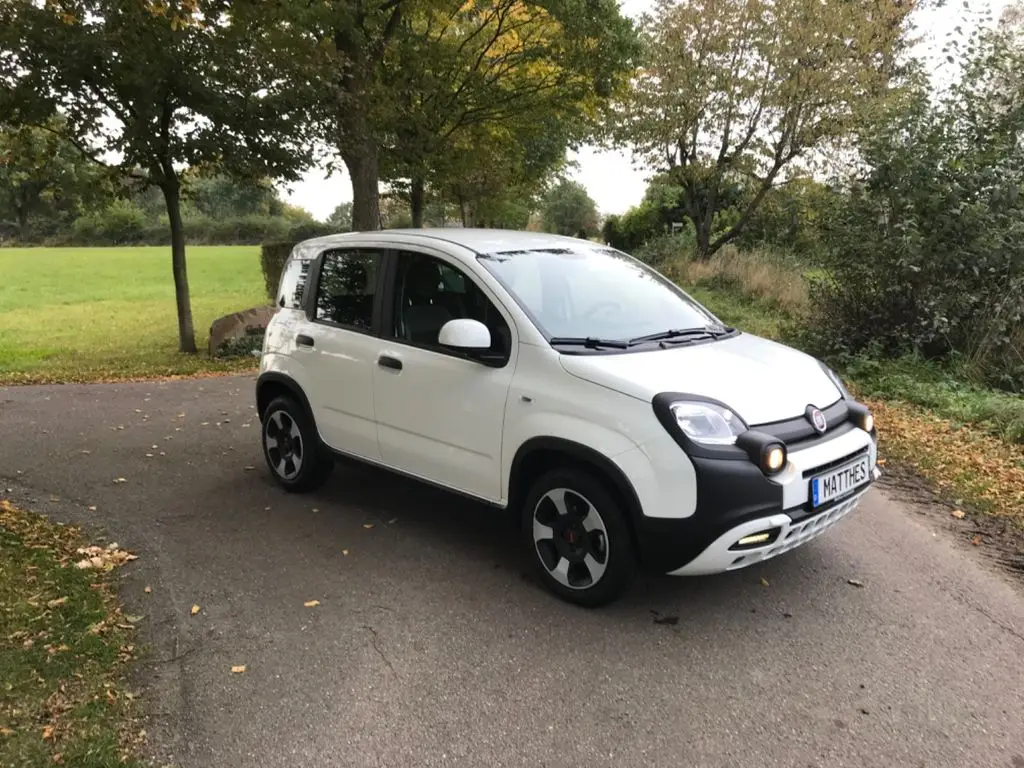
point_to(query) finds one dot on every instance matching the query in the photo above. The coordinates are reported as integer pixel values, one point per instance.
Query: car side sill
(344, 456)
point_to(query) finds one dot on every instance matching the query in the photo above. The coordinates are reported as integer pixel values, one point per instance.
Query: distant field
(81, 314)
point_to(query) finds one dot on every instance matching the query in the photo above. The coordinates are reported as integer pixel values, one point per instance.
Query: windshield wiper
(683, 333)
(590, 342)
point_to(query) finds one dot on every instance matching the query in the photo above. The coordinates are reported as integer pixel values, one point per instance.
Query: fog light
(773, 459)
(757, 538)
(867, 422)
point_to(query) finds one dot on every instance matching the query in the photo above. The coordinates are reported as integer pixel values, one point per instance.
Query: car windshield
(592, 293)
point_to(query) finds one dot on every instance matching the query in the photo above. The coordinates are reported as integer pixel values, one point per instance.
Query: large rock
(238, 325)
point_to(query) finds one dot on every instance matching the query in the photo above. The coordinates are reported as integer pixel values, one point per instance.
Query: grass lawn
(63, 644)
(86, 314)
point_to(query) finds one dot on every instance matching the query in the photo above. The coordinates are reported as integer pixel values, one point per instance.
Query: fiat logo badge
(817, 419)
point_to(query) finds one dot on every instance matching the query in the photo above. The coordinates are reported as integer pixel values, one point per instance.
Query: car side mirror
(465, 335)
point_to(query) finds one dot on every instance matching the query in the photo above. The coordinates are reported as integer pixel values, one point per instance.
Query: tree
(497, 72)
(44, 181)
(146, 87)
(568, 210)
(399, 83)
(733, 92)
(220, 196)
(341, 217)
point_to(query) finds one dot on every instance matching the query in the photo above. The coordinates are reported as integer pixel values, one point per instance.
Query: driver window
(430, 292)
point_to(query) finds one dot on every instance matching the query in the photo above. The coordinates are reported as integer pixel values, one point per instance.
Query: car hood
(760, 380)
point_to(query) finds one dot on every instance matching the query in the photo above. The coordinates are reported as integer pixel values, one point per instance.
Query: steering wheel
(603, 306)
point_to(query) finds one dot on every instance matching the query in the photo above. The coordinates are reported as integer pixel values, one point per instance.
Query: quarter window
(346, 288)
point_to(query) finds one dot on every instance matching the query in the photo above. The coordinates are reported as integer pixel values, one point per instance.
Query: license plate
(839, 481)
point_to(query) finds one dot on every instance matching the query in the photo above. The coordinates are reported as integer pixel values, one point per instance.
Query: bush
(666, 249)
(272, 260)
(926, 255)
(633, 228)
(755, 274)
(121, 223)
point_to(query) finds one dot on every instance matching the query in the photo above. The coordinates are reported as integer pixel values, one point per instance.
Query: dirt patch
(998, 540)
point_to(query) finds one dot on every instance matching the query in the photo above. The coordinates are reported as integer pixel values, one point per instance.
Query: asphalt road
(430, 646)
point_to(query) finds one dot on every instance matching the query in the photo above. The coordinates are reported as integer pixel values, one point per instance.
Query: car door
(343, 348)
(439, 412)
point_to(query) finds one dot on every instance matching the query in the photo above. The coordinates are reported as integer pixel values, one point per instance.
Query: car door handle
(303, 340)
(386, 361)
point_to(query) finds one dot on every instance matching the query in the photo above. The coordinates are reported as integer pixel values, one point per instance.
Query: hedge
(272, 259)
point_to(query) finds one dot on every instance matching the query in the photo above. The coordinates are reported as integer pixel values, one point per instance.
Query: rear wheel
(578, 538)
(292, 448)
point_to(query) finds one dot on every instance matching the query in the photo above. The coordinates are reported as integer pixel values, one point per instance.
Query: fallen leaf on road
(138, 410)
(195, 610)
(367, 525)
(311, 603)
(134, 619)
(344, 552)
(238, 669)
(148, 590)
(86, 452)
(315, 509)
(149, 455)
(764, 582)
(154, 447)
(958, 514)
(120, 480)
(92, 508)
(976, 540)
(392, 521)
(855, 582)
(249, 467)
(204, 424)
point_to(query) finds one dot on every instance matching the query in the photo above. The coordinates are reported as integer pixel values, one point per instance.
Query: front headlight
(707, 422)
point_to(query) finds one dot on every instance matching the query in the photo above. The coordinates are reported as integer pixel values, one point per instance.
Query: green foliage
(666, 249)
(121, 223)
(731, 92)
(273, 257)
(247, 346)
(926, 255)
(567, 209)
(340, 219)
(633, 228)
(44, 182)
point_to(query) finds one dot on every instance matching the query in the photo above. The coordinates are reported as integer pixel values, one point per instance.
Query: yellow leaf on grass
(48, 732)
(238, 669)
(311, 603)
(958, 514)
(195, 609)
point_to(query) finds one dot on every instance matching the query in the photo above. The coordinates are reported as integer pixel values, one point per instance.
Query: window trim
(375, 312)
(390, 298)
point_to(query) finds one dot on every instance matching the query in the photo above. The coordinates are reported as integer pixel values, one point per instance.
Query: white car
(568, 382)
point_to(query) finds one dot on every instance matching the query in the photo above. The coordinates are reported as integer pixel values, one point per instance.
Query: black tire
(309, 464)
(583, 494)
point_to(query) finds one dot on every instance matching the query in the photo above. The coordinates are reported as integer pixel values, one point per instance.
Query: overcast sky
(611, 178)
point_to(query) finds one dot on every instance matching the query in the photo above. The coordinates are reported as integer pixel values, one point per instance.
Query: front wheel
(578, 538)
(292, 447)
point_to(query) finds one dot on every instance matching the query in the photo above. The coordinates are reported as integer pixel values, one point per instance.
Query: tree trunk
(22, 221)
(186, 332)
(416, 195)
(462, 211)
(362, 165)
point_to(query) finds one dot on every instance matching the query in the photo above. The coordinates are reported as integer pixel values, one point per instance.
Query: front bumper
(735, 499)
(719, 557)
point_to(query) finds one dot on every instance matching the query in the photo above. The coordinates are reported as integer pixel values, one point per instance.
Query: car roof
(476, 240)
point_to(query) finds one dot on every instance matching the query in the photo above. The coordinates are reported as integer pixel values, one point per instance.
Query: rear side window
(345, 292)
(293, 284)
